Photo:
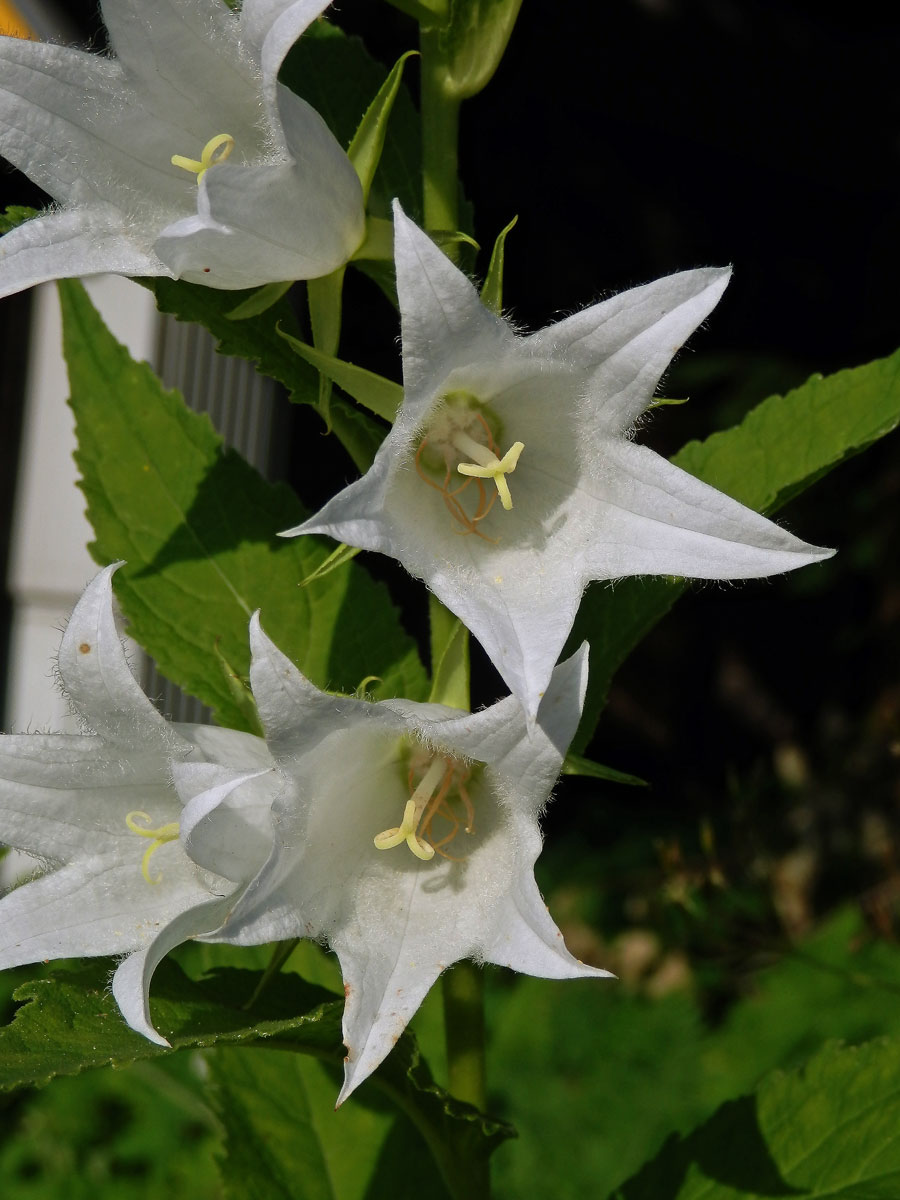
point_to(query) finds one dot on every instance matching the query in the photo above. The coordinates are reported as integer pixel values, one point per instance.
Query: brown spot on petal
(85, 647)
(347, 991)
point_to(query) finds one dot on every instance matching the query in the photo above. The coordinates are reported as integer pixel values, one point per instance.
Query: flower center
(462, 429)
(215, 151)
(160, 835)
(440, 792)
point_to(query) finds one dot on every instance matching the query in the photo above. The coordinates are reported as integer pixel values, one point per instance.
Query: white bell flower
(101, 812)
(406, 836)
(510, 478)
(180, 155)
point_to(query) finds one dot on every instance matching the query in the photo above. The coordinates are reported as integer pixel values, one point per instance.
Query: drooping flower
(406, 835)
(180, 156)
(102, 812)
(510, 478)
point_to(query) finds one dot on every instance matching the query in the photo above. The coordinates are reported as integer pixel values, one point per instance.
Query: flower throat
(462, 429)
(438, 796)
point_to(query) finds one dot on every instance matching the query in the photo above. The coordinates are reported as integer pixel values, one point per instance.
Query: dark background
(635, 139)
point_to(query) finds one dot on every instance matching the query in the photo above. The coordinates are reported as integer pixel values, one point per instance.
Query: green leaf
(492, 290)
(197, 527)
(781, 447)
(15, 214)
(474, 43)
(283, 1139)
(367, 146)
(83, 1137)
(828, 1129)
(69, 1023)
(574, 764)
(381, 396)
(788, 442)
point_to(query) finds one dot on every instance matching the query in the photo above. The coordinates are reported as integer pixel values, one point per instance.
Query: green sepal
(381, 396)
(378, 244)
(445, 238)
(576, 764)
(260, 301)
(324, 296)
(663, 402)
(241, 696)
(367, 145)
(335, 559)
(492, 288)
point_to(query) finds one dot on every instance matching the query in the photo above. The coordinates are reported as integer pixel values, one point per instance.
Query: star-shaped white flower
(102, 811)
(180, 156)
(406, 835)
(509, 479)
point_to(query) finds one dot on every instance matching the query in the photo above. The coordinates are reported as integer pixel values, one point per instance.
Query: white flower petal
(67, 796)
(396, 922)
(225, 833)
(181, 46)
(131, 982)
(103, 804)
(270, 28)
(256, 224)
(99, 134)
(583, 502)
(657, 519)
(622, 346)
(78, 242)
(440, 310)
(94, 907)
(97, 679)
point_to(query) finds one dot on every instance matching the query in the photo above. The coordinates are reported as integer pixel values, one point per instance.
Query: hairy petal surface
(577, 500)
(99, 134)
(397, 920)
(101, 813)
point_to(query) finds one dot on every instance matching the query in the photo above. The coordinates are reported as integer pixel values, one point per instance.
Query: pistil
(216, 150)
(160, 835)
(407, 830)
(487, 465)
(438, 795)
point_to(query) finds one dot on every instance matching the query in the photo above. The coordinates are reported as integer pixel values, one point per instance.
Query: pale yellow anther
(406, 831)
(487, 465)
(215, 151)
(160, 835)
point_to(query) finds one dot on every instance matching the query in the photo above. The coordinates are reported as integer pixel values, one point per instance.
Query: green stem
(440, 134)
(463, 987)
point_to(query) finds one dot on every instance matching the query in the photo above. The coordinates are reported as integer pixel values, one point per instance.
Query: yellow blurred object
(12, 23)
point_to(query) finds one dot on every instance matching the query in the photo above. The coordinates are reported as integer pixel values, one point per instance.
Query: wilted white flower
(509, 479)
(181, 155)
